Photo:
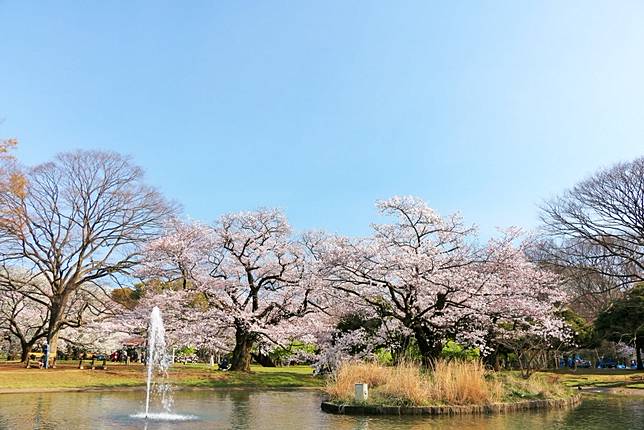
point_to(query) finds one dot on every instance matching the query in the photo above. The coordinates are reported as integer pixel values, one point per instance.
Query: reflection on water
(242, 409)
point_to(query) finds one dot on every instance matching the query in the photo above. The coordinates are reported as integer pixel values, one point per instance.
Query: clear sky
(320, 108)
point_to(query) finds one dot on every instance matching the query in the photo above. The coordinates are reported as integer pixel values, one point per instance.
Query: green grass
(601, 378)
(638, 386)
(260, 377)
(67, 376)
(14, 377)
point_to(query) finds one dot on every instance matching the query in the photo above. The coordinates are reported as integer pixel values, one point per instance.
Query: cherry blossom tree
(428, 273)
(187, 320)
(104, 334)
(246, 273)
(524, 312)
(339, 342)
(245, 280)
(25, 311)
(24, 320)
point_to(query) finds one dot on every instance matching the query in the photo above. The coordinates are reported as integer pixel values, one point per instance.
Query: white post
(212, 360)
(362, 392)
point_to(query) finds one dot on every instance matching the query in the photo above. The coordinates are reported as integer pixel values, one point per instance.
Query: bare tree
(590, 290)
(78, 225)
(598, 225)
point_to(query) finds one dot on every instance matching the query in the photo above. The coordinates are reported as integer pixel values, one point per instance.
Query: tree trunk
(25, 350)
(264, 359)
(524, 365)
(10, 351)
(429, 347)
(399, 353)
(497, 362)
(52, 342)
(242, 353)
(493, 360)
(638, 353)
(53, 329)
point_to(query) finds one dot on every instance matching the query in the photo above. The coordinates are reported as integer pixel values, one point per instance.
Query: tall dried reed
(341, 385)
(448, 382)
(463, 383)
(407, 385)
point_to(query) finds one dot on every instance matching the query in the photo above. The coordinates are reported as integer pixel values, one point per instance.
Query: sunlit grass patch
(599, 377)
(68, 376)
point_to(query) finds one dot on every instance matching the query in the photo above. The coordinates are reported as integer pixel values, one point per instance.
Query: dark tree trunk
(10, 351)
(242, 353)
(25, 350)
(263, 359)
(638, 352)
(429, 347)
(492, 360)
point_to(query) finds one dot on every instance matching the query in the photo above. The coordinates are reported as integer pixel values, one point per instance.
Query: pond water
(245, 409)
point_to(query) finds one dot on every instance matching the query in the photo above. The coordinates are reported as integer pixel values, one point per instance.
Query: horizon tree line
(75, 229)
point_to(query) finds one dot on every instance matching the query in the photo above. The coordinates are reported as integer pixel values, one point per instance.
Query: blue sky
(321, 108)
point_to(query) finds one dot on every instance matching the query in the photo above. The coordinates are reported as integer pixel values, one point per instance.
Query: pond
(246, 409)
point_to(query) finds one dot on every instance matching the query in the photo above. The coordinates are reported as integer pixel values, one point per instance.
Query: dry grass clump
(406, 384)
(449, 382)
(341, 385)
(464, 383)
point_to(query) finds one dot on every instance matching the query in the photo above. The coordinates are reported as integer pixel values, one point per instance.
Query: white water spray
(157, 360)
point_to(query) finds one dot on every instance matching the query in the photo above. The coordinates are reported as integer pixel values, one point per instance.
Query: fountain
(158, 362)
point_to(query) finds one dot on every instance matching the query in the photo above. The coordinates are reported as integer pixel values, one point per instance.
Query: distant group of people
(122, 356)
(602, 363)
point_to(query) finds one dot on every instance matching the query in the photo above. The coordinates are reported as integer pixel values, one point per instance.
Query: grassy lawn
(15, 377)
(602, 378)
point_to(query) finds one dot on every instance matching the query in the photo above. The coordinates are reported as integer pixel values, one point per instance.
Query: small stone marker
(362, 392)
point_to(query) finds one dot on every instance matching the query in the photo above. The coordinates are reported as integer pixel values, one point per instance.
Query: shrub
(454, 350)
